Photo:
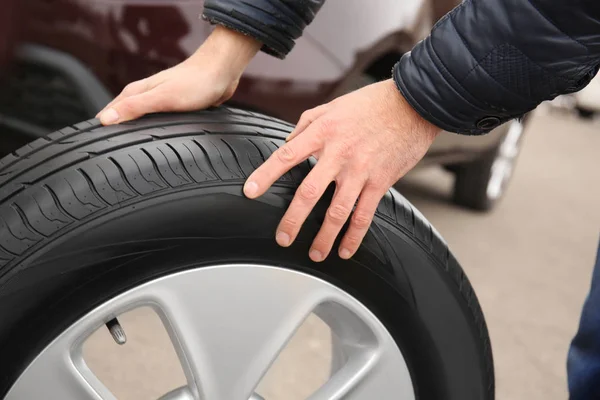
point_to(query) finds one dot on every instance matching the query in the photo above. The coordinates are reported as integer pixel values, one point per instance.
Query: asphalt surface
(530, 261)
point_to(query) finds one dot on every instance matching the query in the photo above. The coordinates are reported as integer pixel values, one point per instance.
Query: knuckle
(289, 224)
(308, 191)
(361, 220)
(359, 167)
(352, 241)
(285, 154)
(322, 243)
(132, 87)
(306, 115)
(129, 88)
(127, 106)
(338, 213)
(328, 126)
(314, 141)
(377, 185)
(345, 151)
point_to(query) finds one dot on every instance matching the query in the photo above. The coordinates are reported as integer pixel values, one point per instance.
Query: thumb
(136, 106)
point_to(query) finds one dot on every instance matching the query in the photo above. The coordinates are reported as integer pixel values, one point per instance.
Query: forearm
(275, 23)
(229, 50)
(490, 61)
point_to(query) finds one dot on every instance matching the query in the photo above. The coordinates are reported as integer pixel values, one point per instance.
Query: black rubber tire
(90, 212)
(471, 182)
(585, 113)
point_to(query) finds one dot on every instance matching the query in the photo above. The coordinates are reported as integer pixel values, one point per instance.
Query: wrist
(424, 126)
(229, 52)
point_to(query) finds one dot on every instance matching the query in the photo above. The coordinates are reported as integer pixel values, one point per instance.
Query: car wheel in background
(585, 113)
(587, 100)
(480, 184)
(96, 221)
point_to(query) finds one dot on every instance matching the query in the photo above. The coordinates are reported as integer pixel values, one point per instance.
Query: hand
(364, 142)
(208, 78)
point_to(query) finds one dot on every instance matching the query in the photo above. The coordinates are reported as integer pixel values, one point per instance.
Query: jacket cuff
(446, 84)
(446, 105)
(477, 69)
(276, 27)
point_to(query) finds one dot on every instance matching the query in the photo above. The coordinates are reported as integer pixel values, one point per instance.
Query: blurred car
(63, 60)
(587, 100)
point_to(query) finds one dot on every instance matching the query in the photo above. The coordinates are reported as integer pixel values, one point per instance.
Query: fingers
(132, 89)
(307, 118)
(308, 194)
(360, 221)
(337, 214)
(281, 161)
(135, 106)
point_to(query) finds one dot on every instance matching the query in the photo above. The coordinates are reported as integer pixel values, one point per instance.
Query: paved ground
(529, 261)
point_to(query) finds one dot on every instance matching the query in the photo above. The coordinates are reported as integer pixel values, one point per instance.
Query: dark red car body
(64, 59)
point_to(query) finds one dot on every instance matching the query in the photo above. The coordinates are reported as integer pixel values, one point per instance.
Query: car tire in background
(480, 184)
(587, 100)
(585, 113)
(89, 214)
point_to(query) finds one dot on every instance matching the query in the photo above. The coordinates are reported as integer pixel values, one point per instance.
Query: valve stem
(116, 331)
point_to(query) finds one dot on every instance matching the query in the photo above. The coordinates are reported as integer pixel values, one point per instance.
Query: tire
(585, 113)
(90, 212)
(476, 185)
(470, 186)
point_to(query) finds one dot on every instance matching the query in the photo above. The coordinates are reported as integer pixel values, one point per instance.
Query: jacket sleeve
(276, 23)
(489, 61)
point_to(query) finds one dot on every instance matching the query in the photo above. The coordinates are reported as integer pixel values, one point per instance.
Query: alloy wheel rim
(228, 323)
(503, 165)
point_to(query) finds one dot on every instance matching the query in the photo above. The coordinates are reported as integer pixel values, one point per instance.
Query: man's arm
(489, 61)
(275, 23)
(211, 75)
(485, 63)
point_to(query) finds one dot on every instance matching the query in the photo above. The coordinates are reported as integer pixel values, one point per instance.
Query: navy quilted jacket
(484, 63)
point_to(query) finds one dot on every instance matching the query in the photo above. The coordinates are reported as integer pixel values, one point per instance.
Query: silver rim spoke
(228, 324)
(60, 374)
(368, 377)
(373, 368)
(505, 159)
(231, 332)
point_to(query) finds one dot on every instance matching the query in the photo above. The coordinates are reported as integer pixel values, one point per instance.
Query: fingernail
(345, 254)
(316, 255)
(283, 239)
(250, 189)
(109, 116)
